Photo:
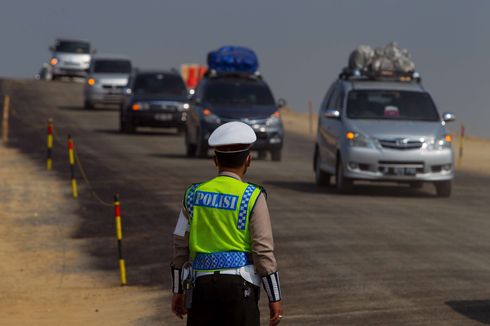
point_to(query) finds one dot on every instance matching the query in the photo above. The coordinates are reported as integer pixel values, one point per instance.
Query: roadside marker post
(461, 144)
(49, 159)
(71, 158)
(117, 215)
(310, 116)
(5, 120)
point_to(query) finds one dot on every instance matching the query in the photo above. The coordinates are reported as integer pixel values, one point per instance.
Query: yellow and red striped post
(461, 143)
(71, 158)
(117, 215)
(49, 159)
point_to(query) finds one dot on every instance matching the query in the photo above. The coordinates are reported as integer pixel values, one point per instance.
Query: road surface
(386, 255)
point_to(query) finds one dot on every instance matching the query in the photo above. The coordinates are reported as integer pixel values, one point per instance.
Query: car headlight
(357, 139)
(441, 142)
(183, 107)
(139, 106)
(210, 117)
(274, 120)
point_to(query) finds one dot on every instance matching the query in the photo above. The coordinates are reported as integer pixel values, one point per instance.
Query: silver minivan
(382, 130)
(106, 80)
(70, 58)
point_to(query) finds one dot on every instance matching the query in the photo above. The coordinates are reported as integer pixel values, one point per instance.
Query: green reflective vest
(219, 212)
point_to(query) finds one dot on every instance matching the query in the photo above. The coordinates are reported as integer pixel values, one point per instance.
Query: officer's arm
(181, 250)
(263, 249)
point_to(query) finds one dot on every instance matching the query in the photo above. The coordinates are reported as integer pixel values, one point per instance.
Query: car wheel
(88, 106)
(201, 147)
(190, 149)
(322, 178)
(276, 155)
(443, 188)
(344, 184)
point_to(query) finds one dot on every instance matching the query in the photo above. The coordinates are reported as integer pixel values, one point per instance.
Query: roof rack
(385, 75)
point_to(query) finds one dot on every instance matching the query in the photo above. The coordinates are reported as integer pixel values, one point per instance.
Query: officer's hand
(178, 306)
(276, 312)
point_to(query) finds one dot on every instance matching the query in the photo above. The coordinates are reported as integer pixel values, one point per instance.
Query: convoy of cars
(376, 122)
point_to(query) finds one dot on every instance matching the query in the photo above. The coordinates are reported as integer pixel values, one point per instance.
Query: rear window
(391, 105)
(112, 66)
(238, 93)
(159, 84)
(72, 47)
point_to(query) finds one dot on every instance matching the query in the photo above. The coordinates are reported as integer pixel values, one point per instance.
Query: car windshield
(159, 84)
(391, 105)
(72, 47)
(238, 93)
(112, 66)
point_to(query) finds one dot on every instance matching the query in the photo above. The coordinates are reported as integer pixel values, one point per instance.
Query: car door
(328, 129)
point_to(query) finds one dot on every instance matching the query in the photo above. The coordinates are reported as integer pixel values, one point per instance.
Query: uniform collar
(229, 174)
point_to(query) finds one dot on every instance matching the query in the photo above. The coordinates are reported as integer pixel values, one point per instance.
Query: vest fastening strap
(242, 214)
(190, 199)
(221, 260)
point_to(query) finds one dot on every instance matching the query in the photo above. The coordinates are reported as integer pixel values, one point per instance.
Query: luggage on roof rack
(233, 59)
(391, 62)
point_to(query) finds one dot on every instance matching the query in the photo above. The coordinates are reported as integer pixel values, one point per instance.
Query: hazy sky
(302, 45)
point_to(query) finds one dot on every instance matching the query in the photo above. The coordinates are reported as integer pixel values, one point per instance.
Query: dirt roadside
(476, 151)
(46, 278)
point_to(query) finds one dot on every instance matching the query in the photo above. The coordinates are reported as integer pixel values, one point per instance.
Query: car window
(238, 93)
(72, 47)
(326, 99)
(112, 66)
(159, 84)
(391, 105)
(332, 102)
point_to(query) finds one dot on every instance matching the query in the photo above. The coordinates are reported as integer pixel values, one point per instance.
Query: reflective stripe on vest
(242, 214)
(221, 260)
(190, 199)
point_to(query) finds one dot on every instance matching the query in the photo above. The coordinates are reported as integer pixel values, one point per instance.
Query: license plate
(404, 171)
(163, 116)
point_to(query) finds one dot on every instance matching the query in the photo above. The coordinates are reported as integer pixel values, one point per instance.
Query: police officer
(224, 229)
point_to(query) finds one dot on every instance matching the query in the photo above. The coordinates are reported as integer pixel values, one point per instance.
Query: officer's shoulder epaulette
(262, 189)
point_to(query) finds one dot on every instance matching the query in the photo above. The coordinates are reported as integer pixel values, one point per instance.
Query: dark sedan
(154, 99)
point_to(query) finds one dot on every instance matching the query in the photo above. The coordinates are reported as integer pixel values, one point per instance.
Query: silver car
(70, 58)
(107, 77)
(383, 131)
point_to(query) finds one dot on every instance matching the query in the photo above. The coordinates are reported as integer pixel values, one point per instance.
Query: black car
(230, 97)
(154, 99)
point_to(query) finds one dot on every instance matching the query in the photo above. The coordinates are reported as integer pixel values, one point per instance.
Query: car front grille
(400, 143)
(112, 86)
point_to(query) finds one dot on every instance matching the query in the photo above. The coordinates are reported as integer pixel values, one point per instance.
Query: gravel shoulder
(46, 277)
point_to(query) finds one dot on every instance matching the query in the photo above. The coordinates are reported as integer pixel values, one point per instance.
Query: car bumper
(398, 165)
(158, 119)
(103, 96)
(69, 72)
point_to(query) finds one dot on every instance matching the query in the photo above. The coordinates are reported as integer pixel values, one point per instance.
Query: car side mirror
(281, 103)
(51, 48)
(448, 117)
(94, 51)
(332, 114)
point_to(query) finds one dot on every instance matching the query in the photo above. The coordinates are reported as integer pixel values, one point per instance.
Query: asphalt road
(386, 255)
